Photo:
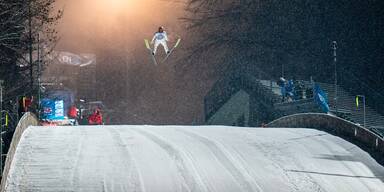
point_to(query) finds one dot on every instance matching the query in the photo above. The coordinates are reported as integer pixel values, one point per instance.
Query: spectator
(73, 111)
(28, 103)
(309, 93)
(282, 84)
(289, 90)
(299, 89)
(96, 118)
(25, 104)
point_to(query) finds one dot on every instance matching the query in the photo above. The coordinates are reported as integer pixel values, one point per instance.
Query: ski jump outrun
(160, 38)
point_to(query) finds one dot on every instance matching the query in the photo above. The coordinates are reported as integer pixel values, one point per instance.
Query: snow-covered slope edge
(366, 139)
(28, 119)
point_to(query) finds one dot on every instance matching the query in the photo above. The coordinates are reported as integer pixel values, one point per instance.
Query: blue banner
(321, 98)
(52, 110)
(66, 96)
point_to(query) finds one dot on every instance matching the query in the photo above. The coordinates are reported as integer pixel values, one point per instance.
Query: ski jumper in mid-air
(160, 37)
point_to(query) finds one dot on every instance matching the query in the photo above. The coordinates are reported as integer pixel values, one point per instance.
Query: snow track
(184, 165)
(237, 171)
(180, 158)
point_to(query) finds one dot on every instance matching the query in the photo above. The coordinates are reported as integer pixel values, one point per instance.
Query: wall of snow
(27, 120)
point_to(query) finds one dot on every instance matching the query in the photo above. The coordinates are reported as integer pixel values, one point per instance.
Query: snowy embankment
(175, 158)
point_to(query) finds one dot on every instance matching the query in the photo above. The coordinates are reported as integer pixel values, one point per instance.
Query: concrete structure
(244, 96)
(234, 112)
(240, 98)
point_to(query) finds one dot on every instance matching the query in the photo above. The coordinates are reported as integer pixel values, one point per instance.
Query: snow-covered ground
(176, 158)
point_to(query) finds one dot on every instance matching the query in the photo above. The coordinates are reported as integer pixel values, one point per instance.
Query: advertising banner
(52, 110)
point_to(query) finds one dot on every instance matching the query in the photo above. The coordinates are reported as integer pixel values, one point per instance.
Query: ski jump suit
(160, 38)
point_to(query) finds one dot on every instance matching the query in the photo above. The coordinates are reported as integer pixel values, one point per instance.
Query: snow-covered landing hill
(177, 158)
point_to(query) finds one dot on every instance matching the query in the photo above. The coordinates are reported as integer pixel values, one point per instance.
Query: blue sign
(62, 95)
(52, 110)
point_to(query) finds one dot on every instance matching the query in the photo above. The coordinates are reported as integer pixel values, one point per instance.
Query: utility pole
(1, 126)
(334, 47)
(39, 75)
(30, 43)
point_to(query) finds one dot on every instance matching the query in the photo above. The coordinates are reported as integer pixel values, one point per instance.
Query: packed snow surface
(177, 158)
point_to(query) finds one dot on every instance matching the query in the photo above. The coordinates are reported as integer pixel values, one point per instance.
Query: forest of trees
(25, 26)
(298, 33)
(296, 36)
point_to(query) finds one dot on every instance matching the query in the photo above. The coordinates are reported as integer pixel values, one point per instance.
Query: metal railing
(346, 107)
(357, 86)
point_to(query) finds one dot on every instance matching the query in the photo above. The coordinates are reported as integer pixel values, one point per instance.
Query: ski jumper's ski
(150, 51)
(170, 51)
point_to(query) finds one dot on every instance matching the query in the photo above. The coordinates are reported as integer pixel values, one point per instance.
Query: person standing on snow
(160, 37)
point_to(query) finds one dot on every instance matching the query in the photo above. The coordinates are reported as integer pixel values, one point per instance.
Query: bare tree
(25, 26)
